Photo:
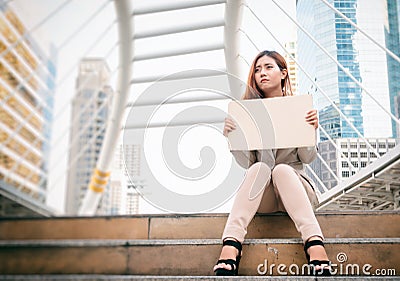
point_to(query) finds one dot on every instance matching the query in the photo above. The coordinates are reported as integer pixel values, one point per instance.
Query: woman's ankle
(317, 252)
(229, 251)
(315, 237)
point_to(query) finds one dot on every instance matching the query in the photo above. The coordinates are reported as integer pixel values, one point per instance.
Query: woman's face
(268, 77)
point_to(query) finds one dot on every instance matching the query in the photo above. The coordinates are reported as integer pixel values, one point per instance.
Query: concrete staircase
(185, 247)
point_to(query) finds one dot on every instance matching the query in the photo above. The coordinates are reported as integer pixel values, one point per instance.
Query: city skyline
(249, 52)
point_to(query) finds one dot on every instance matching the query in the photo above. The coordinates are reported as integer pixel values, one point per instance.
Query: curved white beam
(233, 19)
(178, 29)
(180, 5)
(179, 52)
(177, 76)
(101, 174)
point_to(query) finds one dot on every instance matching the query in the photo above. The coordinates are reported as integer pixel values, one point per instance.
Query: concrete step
(201, 226)
(191, 257)
(183, 278)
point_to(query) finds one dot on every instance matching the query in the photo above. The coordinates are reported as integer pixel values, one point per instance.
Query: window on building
(355, 164)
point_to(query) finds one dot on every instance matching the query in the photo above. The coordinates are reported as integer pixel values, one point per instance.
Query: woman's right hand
(229, 126)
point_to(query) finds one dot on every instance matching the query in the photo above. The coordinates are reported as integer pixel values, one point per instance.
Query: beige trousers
(264, 191)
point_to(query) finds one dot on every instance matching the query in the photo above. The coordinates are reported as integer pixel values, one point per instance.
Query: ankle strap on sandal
(320, 262)
(313, 243)
(233, 243)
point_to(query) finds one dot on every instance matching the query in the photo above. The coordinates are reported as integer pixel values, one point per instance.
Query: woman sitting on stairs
(275, 179)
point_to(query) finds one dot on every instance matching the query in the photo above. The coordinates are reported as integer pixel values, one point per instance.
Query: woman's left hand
(312, 118)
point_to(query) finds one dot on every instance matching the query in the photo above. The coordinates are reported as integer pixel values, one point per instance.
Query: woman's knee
(259, 172)
(281, 170)
(259, 167)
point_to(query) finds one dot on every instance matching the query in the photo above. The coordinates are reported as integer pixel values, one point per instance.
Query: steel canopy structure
(376, 187)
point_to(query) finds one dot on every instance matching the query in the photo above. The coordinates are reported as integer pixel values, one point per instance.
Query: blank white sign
(271, 123)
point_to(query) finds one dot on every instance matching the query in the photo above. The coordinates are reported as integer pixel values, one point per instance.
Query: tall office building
(27, 75)
(116, 204)
(90, 108)
(127, 161)
(361, 57)
(392, 35)
(117, 201)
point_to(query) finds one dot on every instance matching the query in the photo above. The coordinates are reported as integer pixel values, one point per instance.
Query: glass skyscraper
(392, 35)
(367, 63)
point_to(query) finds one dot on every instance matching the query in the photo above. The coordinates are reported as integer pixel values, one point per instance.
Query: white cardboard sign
(271, 123)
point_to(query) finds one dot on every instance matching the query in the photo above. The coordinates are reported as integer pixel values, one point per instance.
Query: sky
(72, 37)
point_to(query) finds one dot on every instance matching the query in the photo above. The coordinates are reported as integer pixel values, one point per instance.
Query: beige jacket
(294, 157)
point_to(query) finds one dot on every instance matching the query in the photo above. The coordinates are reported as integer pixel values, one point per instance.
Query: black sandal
(324, 271)
(233, 263)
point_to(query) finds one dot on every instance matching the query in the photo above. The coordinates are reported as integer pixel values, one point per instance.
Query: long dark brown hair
(252, 90)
